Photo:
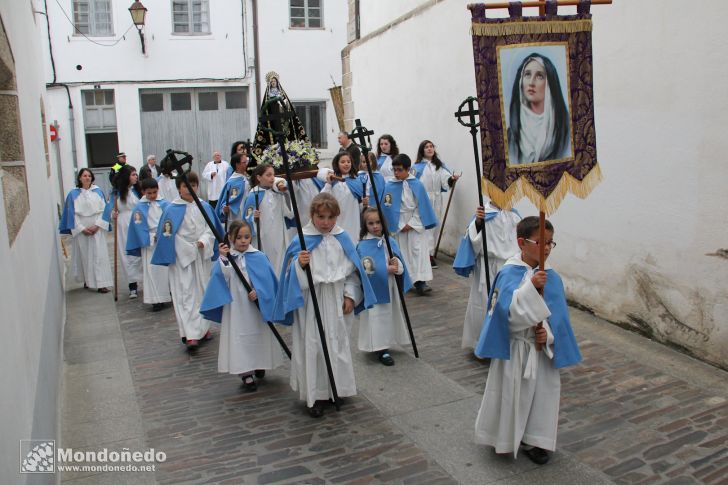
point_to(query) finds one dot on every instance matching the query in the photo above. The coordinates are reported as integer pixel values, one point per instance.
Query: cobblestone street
(633, 412)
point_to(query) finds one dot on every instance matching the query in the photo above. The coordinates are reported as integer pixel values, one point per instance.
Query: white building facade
(194, 88)
(647, 249)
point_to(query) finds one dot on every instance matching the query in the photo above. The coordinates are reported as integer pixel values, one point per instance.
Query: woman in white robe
(437, 179)
(85, 223)
(124, 199)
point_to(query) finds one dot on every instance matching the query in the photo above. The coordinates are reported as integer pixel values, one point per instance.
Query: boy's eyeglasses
(551, 244)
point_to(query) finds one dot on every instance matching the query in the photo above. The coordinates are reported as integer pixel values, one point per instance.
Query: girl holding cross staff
(321, 283)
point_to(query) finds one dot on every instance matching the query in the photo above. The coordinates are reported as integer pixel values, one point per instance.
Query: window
(152, 102)
(190, 17)
(306, 14)
(93, 17)
(235, 100)
(181, 101)
(99, 110)
(313, 118)
(207, 101)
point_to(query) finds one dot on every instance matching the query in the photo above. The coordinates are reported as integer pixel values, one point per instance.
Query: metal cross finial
(363, 135)
(471, 113)
(170, 163)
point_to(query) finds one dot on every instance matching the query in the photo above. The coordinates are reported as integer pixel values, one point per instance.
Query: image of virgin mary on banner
(534, 83)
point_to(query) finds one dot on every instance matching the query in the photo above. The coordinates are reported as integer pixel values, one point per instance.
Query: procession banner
(535, 95)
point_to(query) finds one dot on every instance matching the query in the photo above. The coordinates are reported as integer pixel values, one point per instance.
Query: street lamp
(138, 12)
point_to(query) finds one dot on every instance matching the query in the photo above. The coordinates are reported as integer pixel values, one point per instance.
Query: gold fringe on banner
(533, 27)
(521, 188)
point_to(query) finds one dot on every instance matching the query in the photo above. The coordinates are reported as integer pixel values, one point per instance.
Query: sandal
(386, 359)
(249, 383)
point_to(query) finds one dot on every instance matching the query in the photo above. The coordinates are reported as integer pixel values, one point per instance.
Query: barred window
(306, 14)
(313, 119)
(93, 17)
(190, 17)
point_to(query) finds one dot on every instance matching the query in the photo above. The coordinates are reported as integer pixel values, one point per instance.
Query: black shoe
(260, 373)
(157, 307)
(426, 287)
(317, 410)
(385, 358)
(184, 340)
(537, 455)
(433, 262)
(249, 383)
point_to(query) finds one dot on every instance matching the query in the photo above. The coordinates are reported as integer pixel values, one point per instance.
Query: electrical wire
(87, 37)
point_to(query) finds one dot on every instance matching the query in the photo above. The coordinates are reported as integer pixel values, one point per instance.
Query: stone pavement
(633, 412)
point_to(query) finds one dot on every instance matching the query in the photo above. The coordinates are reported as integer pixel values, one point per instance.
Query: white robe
(274, 207)
(334, 277)
(502, 244)
(521, 399)
(216, 183)
(386, 169)
(90, 254)
(167, 188)
(246, 342)
(156, 277)
(306, 190)
(434, 182)
(130, 267)
(383, 326)
(350, 218)
(189, 274)
(413, 243)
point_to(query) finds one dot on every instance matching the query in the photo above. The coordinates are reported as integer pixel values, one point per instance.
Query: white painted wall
(375, 13)
(306, 59)
(636, 250)
(31, 293)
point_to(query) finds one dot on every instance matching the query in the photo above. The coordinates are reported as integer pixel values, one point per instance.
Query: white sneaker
(133, 294)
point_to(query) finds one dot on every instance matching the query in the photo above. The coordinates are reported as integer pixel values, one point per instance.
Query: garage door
(195, 120)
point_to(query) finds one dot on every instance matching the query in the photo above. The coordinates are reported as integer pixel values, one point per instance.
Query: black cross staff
(473, 124)
(362, 134)
(169, 164)
(275, 121)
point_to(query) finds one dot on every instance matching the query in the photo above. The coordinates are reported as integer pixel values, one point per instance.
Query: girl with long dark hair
(127, 191)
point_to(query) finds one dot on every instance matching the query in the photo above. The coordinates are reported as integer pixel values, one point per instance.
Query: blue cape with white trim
(261, 277)
(393, 196)
(68, 218)
(138, 235)
(376, 250)
(378, 180)
(234, 186)
(251, 204)
(494, 339)
(165, 253)
(290, 296)
(419, 169)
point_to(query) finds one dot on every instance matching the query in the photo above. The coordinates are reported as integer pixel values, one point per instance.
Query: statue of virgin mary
(275, 100)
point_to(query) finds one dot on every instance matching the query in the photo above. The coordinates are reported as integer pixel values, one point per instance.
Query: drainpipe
(256, 53)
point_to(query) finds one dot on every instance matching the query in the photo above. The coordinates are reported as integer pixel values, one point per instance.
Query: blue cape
(165, 254)
(250, 205)
(290, 297)
(261, 277)
(378, 180)
(380, 160)
(68, 218)
(376, 249)
(494, 337)
(138, 236)
(419, 168)
(464, 263)
(112, 199)
(232, 186)
(393, 189)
